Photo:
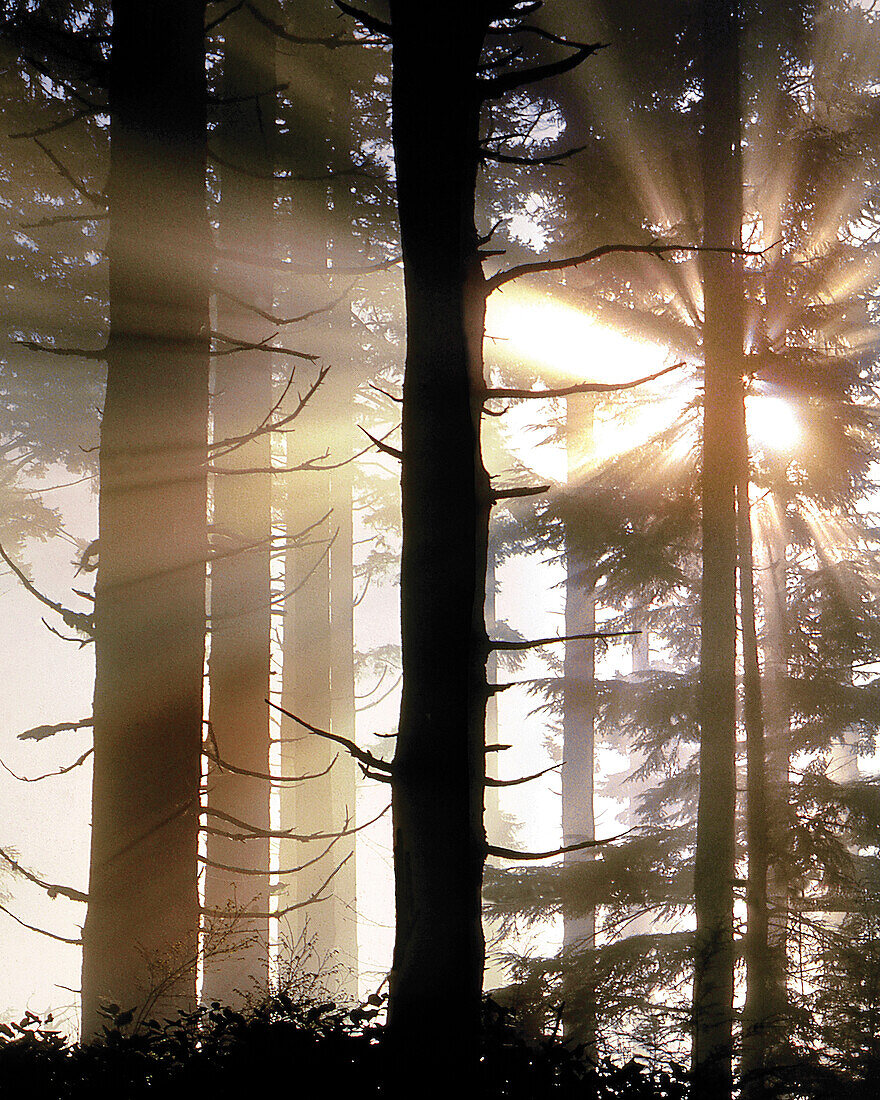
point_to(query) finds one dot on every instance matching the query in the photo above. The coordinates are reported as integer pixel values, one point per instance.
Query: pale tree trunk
(778, 738)
(723, 351)
(757, 1009)
(578, 734)
(140, 940)
(236, 945)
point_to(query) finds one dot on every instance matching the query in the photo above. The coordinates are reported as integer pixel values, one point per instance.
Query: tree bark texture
(439, 839)
(237, 945)
(723, 351)
(141, 931)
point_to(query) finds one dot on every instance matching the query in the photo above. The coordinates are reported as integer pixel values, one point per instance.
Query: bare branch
(578, 387)
(510, 853)
(77, 184)
(520, 491)
(660, 250)
(361, 755)
(332, 42)
(497, 86)
(385, 448)
(39, 733)
(96, 354)
(490, 782)
(48, 775)
(42, 931)
(74, 619)
(236, 346)
(225, 766)
(511, 158)
(535, 643)
(222, 447)
(371, 22)
(51, 128)
(252, 832)
(53, 889)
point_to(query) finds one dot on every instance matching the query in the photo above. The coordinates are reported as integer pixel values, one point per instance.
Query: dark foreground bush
(220, 1054)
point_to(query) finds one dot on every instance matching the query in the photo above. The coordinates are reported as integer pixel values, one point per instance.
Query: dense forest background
(439, 523)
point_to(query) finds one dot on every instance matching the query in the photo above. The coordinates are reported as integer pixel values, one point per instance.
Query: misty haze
(439, 542)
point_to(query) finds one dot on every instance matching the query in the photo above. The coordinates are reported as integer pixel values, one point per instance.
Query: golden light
(559, 342)
(561, 345)
(772, 423)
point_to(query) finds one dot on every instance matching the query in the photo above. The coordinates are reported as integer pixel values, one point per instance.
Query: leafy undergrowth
(219, 1053)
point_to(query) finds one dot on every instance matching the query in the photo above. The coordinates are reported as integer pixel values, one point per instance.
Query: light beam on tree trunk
(236, 945)
(140, 940)
(723, 350)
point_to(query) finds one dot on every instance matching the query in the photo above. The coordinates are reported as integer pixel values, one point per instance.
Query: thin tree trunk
(439, 839)
(757, 1010)
(237, 945)
(778, 739)
(578, 736)
(307, 807)
(723, 349)
(140, 941)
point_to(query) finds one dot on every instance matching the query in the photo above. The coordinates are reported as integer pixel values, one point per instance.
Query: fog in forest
(438, 521)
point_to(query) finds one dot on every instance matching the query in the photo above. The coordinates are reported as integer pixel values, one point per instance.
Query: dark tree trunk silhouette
(237, 946)
(723, 350)
(141, 931)
(439, 841)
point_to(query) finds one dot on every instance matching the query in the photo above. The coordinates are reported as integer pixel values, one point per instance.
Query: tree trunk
(723, 349)
(578, 735)
(236, 945)
(757, 1009)
(141, 934)
(439, 840)
(778, 739)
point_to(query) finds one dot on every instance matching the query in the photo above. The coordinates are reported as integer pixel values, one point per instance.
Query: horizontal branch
(658, 250)
(511, 853)
(96, 354)
(236, 346)
(511, 394)
(491, 782)
(535, 643)
(511, 158)
(520, 491)
(39, 733)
